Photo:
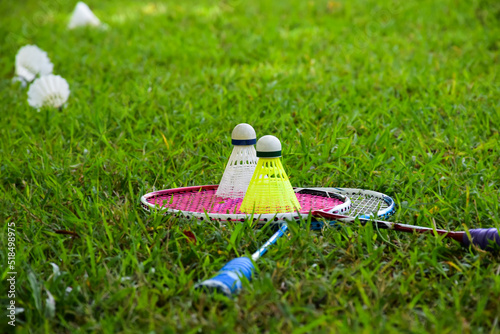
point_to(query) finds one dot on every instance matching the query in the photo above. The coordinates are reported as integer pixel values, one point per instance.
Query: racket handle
(481, 237)
(228, 279)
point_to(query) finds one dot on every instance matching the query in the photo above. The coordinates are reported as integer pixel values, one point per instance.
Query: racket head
(202, 203)
(364, 204)
(367, 203)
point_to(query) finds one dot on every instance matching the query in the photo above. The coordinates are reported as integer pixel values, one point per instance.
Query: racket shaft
(274, 238)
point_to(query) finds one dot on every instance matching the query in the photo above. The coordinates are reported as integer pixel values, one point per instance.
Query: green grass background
(396, 96)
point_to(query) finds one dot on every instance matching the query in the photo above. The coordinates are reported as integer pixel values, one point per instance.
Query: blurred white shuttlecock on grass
(48, 91)
(241, 164)
(83, 16)
(32, 61)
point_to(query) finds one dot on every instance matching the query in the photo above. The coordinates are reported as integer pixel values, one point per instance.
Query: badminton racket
(202, 203)
(482, 237)
(364, 203)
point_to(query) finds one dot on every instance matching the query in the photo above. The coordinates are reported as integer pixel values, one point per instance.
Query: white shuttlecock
(83, 16)
(49, 90)
(241, 164)
(32, 61)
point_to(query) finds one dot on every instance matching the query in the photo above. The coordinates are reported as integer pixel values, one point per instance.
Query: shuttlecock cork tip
(243, 134)
(269, 147)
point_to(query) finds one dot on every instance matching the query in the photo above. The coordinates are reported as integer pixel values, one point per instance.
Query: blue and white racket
(365, 204)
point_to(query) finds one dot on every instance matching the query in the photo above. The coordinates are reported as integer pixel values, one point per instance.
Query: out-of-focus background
(401, 97)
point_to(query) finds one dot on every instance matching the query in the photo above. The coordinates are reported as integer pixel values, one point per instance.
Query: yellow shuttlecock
(269, 190)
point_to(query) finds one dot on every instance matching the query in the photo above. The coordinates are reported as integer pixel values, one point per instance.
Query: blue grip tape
(228, 279)
(481, 237)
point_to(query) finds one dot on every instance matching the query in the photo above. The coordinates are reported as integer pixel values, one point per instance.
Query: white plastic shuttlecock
(32, 61)
(83, 16)
(241, 164)
(49, 90)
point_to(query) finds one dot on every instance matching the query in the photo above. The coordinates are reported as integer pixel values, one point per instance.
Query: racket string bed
(205, 200)
(366, 204)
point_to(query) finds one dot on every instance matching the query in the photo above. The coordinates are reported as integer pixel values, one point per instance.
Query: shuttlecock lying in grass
(32, 61)
(269, 190)
(49, 90)
(241, 164)
(83, 16)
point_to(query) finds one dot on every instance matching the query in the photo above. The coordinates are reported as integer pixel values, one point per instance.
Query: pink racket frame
(333, 203)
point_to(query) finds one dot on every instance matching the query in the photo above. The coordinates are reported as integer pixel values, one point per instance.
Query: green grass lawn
(400, 97)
